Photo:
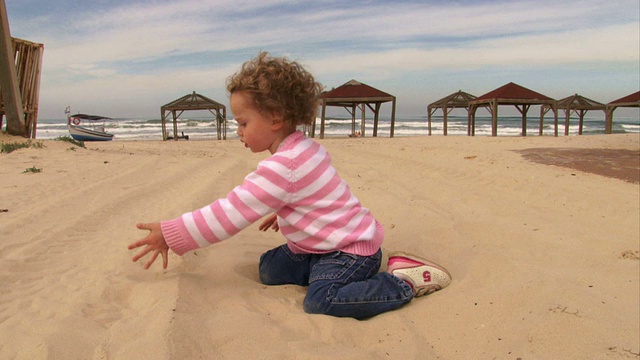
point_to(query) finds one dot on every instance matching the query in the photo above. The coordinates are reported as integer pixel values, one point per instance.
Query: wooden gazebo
(458, 99)
(510, 94)
(577, 104)
(194, 101)
(632, 100)
(354, 94)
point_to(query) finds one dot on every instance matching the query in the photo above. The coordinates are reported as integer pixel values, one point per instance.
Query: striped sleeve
(264, 191)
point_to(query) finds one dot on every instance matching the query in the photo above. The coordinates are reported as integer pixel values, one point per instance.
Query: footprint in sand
(630, 255)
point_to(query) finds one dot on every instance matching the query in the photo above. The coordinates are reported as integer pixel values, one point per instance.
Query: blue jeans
(340, 284)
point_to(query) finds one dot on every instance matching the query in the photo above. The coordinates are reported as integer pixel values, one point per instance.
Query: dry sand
(544, 257)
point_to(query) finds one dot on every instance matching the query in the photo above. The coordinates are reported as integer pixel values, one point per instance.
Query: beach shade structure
(632, 100)
(458, 99)
(577, 104)
(354, 95)
(20, 69)
(510, 94)
(194, 101)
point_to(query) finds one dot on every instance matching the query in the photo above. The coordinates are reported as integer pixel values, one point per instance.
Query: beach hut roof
(513, 91)
(629, 100)
(193, 101)
(579, 102)
(459, 99)
(355, 91)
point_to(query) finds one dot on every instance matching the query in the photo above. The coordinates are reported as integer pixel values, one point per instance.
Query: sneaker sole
(426, 289)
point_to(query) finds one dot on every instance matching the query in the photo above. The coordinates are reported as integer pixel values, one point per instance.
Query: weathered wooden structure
(456, 100)
(20, 70)
(632, 100)
(577, 104)
(194, 101)
(354, 95)
(510, 94)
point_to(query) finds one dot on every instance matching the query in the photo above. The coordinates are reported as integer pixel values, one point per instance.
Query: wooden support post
(445, 112)
(324, 107)
(471, 119)
(523, 111)
(543, 111)
(555, 118)
(224, 126)
(362, 125)
(175, 125)
(164, 126)
(581, 114)
(9, 79)
(376, 119)
(494, 117)
(35, 96)
(353, 119)
(608, 125)
(393, 116)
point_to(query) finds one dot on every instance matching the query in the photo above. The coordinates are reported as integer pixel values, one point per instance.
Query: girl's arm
(262, 192)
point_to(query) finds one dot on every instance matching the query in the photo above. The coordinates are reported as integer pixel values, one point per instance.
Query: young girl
(332, 242)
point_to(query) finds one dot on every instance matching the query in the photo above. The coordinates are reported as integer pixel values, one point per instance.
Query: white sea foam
(151, 129)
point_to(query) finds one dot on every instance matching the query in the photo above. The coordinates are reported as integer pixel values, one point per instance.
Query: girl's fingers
(143, 226)
(165, 259)
(153, 258)
(265, 226)
(142, 253)
(138, 243)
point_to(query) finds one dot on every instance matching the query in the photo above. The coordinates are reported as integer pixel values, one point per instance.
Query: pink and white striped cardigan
(317, 213)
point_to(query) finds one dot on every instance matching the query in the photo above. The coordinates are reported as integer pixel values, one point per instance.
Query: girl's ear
(277, 122)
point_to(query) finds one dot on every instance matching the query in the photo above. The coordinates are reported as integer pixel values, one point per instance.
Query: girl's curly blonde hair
(278, 86)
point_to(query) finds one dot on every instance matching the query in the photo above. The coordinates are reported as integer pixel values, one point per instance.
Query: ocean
(204, 128)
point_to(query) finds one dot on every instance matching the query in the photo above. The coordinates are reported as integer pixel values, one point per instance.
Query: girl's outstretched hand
(154, 242)
(271, 222)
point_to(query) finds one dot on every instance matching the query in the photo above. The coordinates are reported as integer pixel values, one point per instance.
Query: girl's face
(257, 131)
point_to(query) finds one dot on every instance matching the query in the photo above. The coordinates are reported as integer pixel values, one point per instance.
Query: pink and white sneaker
(422, 275)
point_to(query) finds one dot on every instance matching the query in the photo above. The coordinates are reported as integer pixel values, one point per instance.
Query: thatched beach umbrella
(632, 100)
(194, 101)
(354, 94)
(510, 94)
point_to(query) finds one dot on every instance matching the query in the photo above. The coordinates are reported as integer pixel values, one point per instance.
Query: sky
(127, 58)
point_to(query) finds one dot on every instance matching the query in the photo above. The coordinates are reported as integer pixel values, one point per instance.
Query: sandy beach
(540, 234)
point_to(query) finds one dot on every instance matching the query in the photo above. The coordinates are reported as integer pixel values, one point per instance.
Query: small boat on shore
(83, 127)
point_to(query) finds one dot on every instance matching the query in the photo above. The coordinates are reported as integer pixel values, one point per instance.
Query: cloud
(136, 95)
(584, 46)
(147, 31)
(151, 50)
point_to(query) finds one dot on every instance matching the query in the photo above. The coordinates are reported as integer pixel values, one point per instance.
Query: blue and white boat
(83, 127)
